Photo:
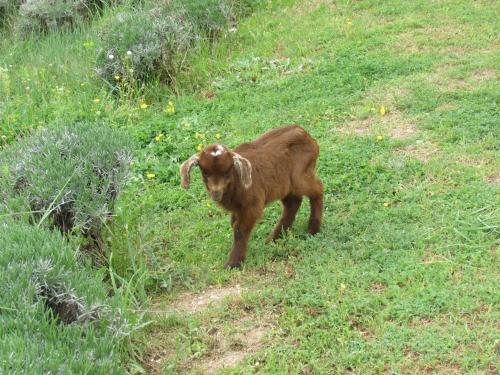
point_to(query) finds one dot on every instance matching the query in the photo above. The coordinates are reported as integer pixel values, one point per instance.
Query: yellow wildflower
(349, 21)
(382, 110)
(199, 147)
(150, 175)
(218, 136)
(386, 204)
(144, 105)
(170, 107)
(199, 135)
(373, 109)
(117, 78)
(380, 137)
(159, 137)
(97, 100)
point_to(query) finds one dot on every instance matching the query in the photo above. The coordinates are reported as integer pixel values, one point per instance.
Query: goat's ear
(186, 170)
(244, 168)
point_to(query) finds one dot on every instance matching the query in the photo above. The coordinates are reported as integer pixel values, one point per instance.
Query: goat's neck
(231, 199)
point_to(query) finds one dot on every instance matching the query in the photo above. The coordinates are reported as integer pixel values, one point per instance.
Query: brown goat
(280, 164)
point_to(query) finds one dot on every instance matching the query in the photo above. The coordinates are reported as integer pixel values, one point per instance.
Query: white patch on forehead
(218, 150)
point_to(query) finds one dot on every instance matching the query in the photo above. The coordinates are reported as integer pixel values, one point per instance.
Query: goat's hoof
(232, 265)
(271, 239)
(313, 231)
(314, 227)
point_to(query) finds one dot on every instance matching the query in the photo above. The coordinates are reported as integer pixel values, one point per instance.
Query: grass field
(403, 98)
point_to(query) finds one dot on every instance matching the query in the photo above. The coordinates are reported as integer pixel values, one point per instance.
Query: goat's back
(284, 139)
(282, 158)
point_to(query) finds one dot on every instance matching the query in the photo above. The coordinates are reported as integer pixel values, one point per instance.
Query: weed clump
(70, 174)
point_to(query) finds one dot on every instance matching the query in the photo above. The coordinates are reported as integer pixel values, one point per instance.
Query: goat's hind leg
(291, 205)
(316, 198)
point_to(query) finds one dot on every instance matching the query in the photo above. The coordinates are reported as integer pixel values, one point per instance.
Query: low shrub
(142, 45)
(154, 42)
(8, 9)
(40, 16)
(55, 316)
(71, 174)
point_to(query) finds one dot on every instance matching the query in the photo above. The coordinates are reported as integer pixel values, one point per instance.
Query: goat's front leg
(243, 224)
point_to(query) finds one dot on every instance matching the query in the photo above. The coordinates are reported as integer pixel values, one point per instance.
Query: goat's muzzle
(217, 195)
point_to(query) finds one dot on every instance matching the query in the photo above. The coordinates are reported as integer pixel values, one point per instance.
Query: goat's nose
(216, 195)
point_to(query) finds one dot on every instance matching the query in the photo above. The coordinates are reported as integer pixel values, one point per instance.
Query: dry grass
(423, 151)
(305, 7)
(393, 124)
(494, 178)
(369, 120)
(417, 40)
(485, 75)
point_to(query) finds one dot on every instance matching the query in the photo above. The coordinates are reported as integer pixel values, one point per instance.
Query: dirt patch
(358, 127)
(193, 303)
(402, 130)
(446, 107)
(306, 7)
(364, 331)
(443, 39)
(423, 151)
(414, 363)
(378, 287)
(226, 342)
(446, 80)
(393, 124)
(233, 345)
(474, 160)
(153, 359)
(377, 115)
(206, 94)
(484, 75)
(494, 178)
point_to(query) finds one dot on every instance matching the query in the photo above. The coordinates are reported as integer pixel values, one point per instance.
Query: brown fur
(279, 165)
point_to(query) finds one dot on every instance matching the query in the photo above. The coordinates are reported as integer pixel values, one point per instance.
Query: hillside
(403, 99)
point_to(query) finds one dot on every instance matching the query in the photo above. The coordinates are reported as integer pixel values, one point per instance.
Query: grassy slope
(402, 277)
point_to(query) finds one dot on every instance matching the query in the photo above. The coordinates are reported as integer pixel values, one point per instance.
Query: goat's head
(218, 166)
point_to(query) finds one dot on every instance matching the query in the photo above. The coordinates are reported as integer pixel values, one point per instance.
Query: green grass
(402, 279)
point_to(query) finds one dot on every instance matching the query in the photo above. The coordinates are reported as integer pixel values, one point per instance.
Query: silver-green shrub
(40, 16)
(143, 44)
(55, 314)
(70, 175)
